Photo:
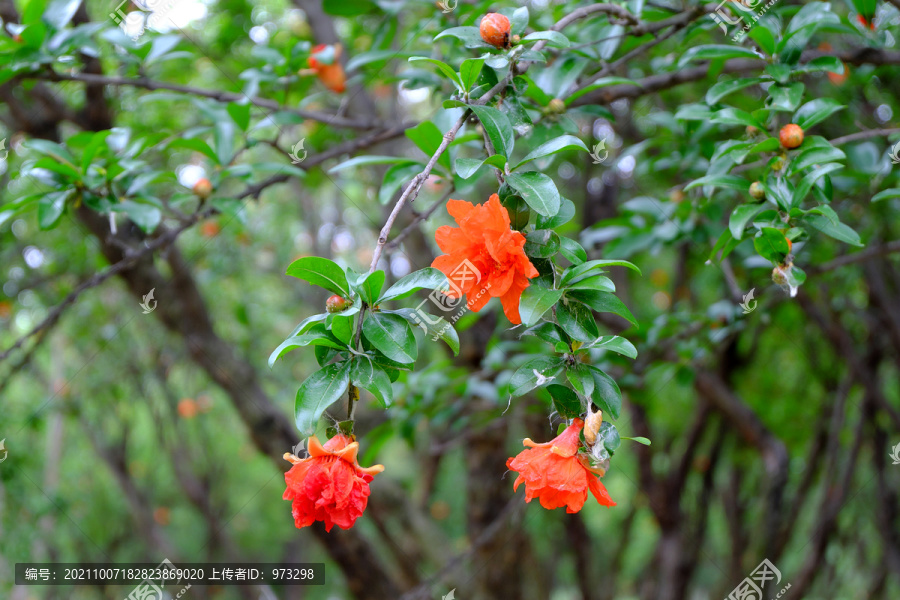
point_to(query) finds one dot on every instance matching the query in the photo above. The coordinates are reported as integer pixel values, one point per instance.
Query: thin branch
(394, 243)
(864, 135)
(101, 276)
(867, 254)
(220, 96)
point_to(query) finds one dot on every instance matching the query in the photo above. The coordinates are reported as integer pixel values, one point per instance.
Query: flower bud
(556, 106)
(495, 29)
(336, 304)
(757, 191)
(791, 136)
(592, 426)
(203, 188)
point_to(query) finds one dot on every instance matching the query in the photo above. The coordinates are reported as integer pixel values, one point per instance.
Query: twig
(864, 135)
(867, 254)
(99, 277)
(220, 96)
(394, 243)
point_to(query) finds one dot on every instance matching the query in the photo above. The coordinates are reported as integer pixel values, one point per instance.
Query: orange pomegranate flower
(556, 474)
(329, 485)
(325, 61)
(485, 241)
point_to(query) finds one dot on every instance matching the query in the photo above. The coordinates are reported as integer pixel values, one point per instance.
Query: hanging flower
(557, 474)
(484, 257)
(325, 61)
(329, 486)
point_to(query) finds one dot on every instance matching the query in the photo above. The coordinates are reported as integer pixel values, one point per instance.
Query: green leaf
(565, 214)
(348, 8)
(320, 390)
(469, 71)
(610, 436)
(60, 12)
(197, 145)
(317, 338)
(810, 180)
(146, 216)
(723, 88)
(374, 56)
(885, 194)
(428, 138)
(639, 440)
(51, 149)
(816, 156)
(342, 327)
(443, 67)
(470, 36)
(394, 178)
(572, 250)
(321, 272)
(538, 191)
(581, 378)
(553, 38)
(565, 401)
(370, 286)
(593, 267)
(563, 142)
(428, 278)
(535, 372)
(600, 83)
(433, 326)
(541, 243)
(786, 97)
(603, 302)
(374, 160)
(518, 19)
(365, 374)
(771, 245)
(816, 111)
(606, 393)
(716, 51)
(391, 335)
(838, 231)
(498, 128)
(735, 182)
(466, 167)
(734, 116)
(577, 320)
(535, 302)
(240, 114)
(617, 344)
(741, 216)
(50, 209)
(593, 282)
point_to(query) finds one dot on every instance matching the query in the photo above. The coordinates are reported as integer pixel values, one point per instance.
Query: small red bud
(791, 136)
(336, 304)
(203, 188)
(495, 29)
